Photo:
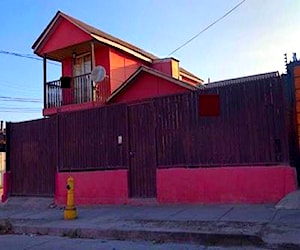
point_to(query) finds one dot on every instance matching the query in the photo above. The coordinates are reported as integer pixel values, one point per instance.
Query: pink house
(131, 73)
(169, 138)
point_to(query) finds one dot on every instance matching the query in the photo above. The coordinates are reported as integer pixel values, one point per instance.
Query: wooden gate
(32, 158)
(142, 147)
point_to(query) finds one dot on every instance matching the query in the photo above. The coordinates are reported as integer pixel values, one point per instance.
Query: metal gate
(142, 146)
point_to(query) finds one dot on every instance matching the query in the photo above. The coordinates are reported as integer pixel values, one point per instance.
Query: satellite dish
(98, 74)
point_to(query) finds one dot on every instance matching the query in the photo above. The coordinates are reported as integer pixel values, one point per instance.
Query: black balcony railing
(53, 96)
(83, 88)
(80, 90)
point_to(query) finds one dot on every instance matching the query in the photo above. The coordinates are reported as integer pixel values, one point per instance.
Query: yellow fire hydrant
(70, 212)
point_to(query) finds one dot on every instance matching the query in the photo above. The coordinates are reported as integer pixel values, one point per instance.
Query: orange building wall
(121, 67)
(65, 34)
(147, 86)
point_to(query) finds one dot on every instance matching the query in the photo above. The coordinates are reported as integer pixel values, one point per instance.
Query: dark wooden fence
(250, 128)
(88, 139)
(32, 157)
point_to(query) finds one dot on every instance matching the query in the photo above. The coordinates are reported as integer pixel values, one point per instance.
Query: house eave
(196, 79)
(121, 47)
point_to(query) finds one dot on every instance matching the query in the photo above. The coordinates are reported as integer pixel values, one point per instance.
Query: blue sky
(251, 40)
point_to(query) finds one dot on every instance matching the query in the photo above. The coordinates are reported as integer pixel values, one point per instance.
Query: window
(83, 89)
(82, 65)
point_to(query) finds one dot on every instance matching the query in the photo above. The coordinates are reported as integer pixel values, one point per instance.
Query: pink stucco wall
(96, 187)
(225, 184)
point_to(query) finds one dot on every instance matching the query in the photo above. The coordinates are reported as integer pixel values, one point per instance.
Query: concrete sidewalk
(234, 225)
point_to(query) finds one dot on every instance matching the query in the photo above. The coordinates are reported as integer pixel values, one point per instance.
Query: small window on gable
(209, 105)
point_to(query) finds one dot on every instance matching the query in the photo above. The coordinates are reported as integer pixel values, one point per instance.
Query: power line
(209, 26)
(10, 53)
(20, 108)
(19, 99)
(20, 111)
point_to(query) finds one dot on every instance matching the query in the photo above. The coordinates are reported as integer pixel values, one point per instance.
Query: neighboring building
(2, 167)
(2, 152)
(131, 73)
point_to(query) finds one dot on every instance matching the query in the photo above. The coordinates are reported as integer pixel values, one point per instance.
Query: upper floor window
(82, 65)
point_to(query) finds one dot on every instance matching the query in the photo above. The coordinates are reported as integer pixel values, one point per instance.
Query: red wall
(163, 66)
(67, 70)
(225, 184)
(122, 66)
(146, 86)
(102, 58)
(96, 187)
(64, 35)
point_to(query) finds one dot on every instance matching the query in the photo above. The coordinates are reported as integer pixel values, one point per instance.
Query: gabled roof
(104, 38)
(94, 33)
(244, 79)
(152, 72)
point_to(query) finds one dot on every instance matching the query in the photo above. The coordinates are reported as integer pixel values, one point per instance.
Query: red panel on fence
(225, 184)
(95, 187)
(209, 105)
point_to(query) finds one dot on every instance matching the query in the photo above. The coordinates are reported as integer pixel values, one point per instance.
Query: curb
(146, 235)
(157, 235)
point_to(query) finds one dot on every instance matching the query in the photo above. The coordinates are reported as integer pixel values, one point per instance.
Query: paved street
(143, 227)
(27, 242)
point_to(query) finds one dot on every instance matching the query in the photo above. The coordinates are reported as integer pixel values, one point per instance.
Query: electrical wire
(209, 26)
(20, 111)
(10, 53)
(20, 108)
(19, 99)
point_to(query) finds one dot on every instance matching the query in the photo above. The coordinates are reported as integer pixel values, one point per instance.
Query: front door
(142, 171)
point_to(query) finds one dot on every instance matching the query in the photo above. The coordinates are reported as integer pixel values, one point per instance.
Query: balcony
(75, 92)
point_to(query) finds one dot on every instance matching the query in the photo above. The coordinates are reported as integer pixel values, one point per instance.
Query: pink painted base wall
(225, 184)
(96, 187)
(220, 185)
